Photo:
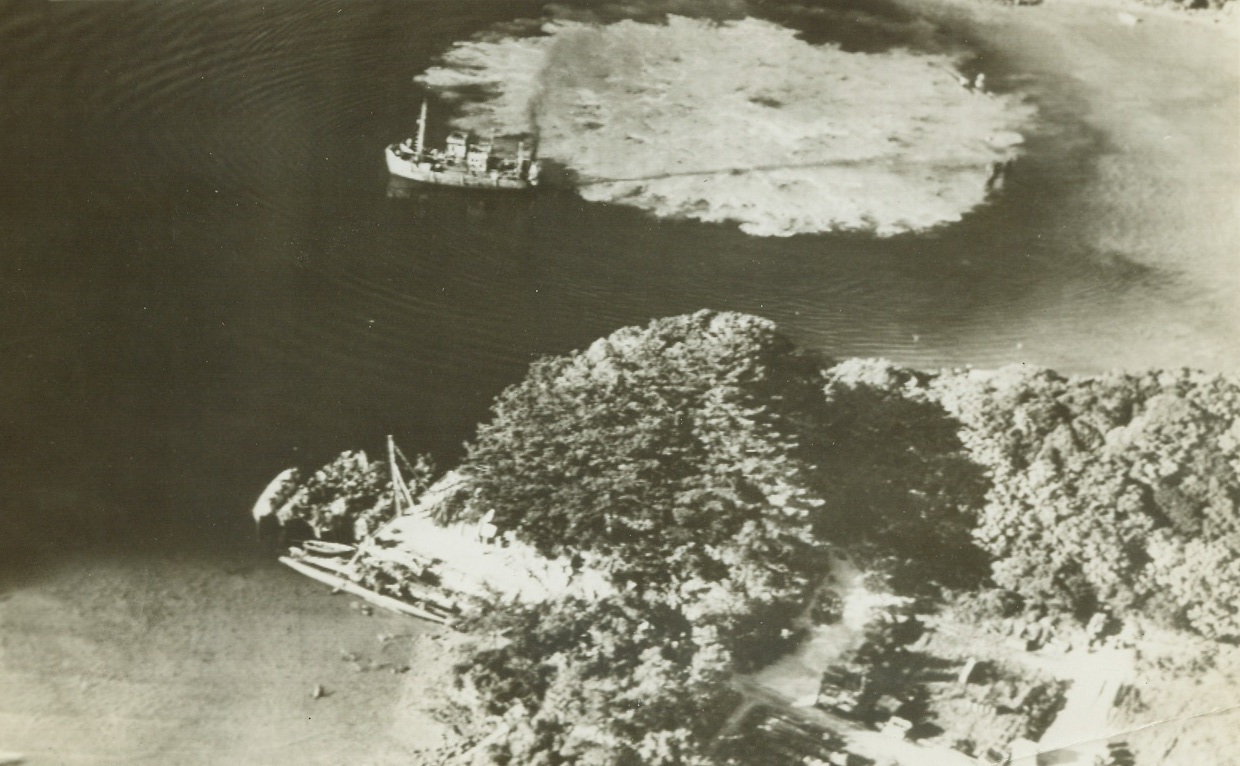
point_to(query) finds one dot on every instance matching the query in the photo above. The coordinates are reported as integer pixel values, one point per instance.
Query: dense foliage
(673, 455)
(619, 682)
(703, 463)
(351, 496)
(895, 474)
(673, 458)
(1115, 492)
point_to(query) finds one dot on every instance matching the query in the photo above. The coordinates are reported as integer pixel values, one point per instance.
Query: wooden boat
(325, 548)
(348, 586)
(325, 561)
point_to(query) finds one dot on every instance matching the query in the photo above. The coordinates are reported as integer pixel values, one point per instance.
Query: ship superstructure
(463, 161)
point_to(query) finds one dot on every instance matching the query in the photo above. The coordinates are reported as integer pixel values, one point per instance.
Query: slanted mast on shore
(353, 568)
(423, 561)
(463, 161)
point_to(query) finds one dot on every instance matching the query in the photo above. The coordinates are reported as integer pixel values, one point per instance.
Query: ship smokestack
(421, 131)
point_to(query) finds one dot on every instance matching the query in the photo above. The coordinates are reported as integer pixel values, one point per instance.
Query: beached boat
(410, 591)
(464, 162)
(325, 548)
(339, 582)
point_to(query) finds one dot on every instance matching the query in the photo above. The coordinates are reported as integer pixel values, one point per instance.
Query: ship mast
(421, 131)
(402, 501)
(403, 498)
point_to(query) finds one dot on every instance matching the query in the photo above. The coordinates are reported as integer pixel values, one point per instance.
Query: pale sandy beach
(167, 659)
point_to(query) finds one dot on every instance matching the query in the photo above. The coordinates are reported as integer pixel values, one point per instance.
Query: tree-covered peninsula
(717, 475)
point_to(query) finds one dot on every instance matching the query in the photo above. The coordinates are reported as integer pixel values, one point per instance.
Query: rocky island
(792, 557)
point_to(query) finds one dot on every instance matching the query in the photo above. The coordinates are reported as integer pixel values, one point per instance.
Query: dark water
(204, 279)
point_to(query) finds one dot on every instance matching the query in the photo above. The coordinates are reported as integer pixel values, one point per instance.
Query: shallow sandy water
(1161, 203)
(177, 660)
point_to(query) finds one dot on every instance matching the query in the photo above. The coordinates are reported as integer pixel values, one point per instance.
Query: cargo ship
(463, 162)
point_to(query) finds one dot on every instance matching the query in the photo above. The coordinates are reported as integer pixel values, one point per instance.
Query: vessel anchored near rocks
(462, 162)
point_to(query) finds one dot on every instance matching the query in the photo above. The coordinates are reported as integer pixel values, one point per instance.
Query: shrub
(673, 454)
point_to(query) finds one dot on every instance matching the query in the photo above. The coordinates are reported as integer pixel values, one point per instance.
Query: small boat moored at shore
(340, 582)
(325, 548)
(397, 581)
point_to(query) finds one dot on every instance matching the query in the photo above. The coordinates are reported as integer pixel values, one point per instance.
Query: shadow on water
(862, 26)
(209, 278)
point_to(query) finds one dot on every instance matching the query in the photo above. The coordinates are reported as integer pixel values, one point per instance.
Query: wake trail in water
(740, 121)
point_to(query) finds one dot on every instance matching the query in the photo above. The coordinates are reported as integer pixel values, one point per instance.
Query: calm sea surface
(205, 277)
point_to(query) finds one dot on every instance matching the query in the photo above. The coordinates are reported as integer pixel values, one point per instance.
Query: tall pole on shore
(421, 131)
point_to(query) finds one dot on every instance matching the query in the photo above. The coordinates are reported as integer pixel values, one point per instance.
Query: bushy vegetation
(1116, 492)
(895, 475)
(620, 681)
(704, 464)
(1112, 493)
(674, 456)
(351, 496)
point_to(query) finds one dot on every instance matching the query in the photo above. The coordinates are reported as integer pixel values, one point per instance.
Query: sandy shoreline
(174, 659)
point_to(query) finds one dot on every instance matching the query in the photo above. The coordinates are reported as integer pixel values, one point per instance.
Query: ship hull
(406, 168)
